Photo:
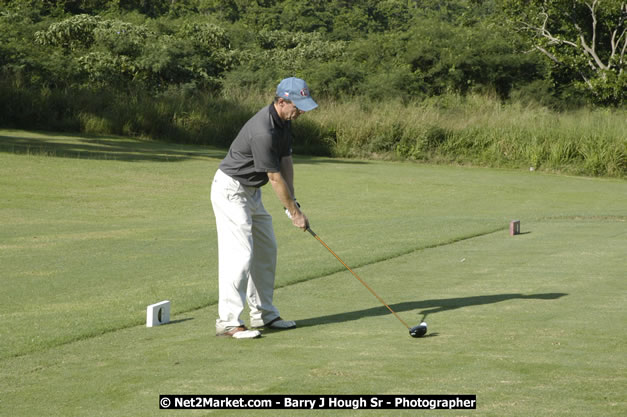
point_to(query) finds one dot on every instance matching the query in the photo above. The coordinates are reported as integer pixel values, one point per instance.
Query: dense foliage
(194, 70)
(393, 48)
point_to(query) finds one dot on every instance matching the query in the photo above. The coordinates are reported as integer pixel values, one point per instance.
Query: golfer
(247, 249)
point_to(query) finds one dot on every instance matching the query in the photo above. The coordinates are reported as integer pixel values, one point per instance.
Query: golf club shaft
(357, 276)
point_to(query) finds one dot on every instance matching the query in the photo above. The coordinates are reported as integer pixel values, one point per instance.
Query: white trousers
(247, 253)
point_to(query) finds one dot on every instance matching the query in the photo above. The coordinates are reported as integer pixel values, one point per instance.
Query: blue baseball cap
(296, 90)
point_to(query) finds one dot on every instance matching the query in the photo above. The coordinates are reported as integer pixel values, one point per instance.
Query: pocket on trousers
(235, 193)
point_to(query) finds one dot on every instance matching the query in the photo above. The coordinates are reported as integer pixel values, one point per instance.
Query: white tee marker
(157, 314)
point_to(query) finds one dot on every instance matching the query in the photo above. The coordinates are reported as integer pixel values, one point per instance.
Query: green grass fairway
(94, 229)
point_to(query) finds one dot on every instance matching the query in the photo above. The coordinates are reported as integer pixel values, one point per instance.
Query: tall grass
(475, 129)
(178, 115)
(479, 130)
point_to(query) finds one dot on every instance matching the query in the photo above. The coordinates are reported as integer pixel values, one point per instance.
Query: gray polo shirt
(258, 148)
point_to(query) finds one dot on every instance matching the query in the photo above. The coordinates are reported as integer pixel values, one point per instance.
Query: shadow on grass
(104, 147)
(179, 321)
(318, 160)
(83, 146)
(426, 306)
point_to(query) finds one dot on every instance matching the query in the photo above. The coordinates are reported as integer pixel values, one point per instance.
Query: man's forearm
(287, 172)
(286, 196)
(283, 192)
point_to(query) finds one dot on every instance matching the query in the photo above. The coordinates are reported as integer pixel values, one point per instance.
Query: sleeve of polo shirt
(265, 154)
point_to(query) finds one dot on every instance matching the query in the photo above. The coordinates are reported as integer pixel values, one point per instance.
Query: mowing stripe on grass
(402, 253)
(101, 332)
(375, 261)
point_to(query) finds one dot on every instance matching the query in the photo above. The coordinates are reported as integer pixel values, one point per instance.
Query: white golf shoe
(240, 332)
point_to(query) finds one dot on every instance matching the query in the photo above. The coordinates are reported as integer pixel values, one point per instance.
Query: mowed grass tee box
(95, 229)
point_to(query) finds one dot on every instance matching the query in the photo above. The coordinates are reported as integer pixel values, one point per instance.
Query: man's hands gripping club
(294, 218)
(287, 212)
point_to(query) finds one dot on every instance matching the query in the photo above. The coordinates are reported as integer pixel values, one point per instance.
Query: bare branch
(545, 33)
(622, 55)
(589, 84)
(591, 53)
(594, 23)
(615, 43)
(547, 53)
(590, 50)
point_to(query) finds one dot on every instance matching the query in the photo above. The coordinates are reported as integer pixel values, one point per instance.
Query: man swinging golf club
(247, 249)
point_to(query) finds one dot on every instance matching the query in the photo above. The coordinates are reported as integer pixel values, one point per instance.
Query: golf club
(416, 331)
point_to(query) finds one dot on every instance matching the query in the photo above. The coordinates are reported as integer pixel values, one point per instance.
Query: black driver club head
(418, 331)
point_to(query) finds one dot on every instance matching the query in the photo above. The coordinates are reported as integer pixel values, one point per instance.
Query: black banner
(318, 402)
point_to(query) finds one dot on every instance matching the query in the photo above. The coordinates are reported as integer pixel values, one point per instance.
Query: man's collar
(275, 116)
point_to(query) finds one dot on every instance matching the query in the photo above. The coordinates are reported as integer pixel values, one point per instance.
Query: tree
(588, 38)
(114, 53)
